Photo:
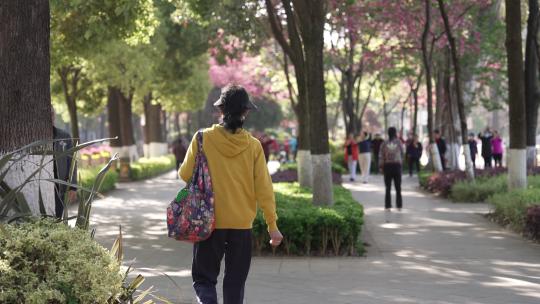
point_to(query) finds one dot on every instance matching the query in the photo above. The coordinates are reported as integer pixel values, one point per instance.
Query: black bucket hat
(234, 98)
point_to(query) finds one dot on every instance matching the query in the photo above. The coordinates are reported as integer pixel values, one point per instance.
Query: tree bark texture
(531, 81)
(427, 68)
(25, 98)
(311, 16)
(515, 76)
(457, 84)
(113, 116)
(517, 173)
(126, 116)
(152, 121)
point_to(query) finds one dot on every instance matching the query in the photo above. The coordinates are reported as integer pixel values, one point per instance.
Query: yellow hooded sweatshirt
(240, 178)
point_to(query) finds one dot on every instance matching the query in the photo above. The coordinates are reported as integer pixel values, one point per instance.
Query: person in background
(414, 152)
(364, 156)
(293, 144)
(487, 153)
(390, 162)
(265, 143)
(287, 148)
(441, 146)
(240, 183)
(62, 167)
(179, 150)
(497, 148)
(473, 148)
(351, 156)
(375, 146)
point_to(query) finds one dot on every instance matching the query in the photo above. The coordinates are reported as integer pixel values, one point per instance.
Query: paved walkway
(432, 252)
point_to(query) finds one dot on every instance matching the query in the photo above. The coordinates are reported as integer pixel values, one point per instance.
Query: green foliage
(308, 228)
(294, 166)
(88, 176)
(484, 187)
(48, 262)
(150, 167)
(510, 207)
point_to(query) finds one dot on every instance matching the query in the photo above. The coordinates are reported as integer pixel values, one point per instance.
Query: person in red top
(351, 156)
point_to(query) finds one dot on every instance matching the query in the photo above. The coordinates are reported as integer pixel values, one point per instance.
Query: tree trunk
(517, 166)
(457, 83)
(312, 19)
(25, 103)
(295, 51)
(531, 82)
(155, 144)
(427, 67)
(177, 128)
(113, 117)
(70, 88)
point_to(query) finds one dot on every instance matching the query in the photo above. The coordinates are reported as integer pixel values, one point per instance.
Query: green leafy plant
(312, 229)
(510, 208)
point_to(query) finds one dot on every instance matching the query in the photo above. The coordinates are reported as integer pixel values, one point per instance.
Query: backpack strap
(199, 140)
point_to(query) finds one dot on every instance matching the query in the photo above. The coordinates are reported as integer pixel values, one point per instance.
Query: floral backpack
(190, 216)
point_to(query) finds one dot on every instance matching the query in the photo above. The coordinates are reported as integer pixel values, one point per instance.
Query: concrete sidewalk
(432, 252)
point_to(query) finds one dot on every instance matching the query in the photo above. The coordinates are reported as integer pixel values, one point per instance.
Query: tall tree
(517, 165)
(79, 29)
(294, 50)
(25, 92)
(311, 15)
(532, 95)
(426, 57)
(459, 92)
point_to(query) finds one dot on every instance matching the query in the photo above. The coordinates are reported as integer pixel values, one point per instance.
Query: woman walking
(497, 148)
(390, 160)
(240, 182)
(351, 156)
(364, 157)
(414, 153)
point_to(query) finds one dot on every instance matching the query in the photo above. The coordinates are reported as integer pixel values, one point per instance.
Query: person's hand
(275, 238)
(72, 196)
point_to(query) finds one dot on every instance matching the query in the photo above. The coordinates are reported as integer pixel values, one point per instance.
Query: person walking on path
(390, 161)
(497, 148)
(473, 148)
(351, 156)
(441, 146)
(487, 153)
(376, 146)
(240, 182)
(179, 150)
(62, 167)
(364, 156)
(414, 152)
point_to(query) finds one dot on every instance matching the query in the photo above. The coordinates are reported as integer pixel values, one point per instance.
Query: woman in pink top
(497, 148)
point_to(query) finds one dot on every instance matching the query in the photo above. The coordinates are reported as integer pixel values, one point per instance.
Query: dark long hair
(392, 133)
(232, 121)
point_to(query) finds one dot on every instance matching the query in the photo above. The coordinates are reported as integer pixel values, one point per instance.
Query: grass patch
(510, 208)
(484, 187)
(308, 229)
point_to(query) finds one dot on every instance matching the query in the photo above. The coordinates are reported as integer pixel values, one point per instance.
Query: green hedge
(150, 167)
(484, 187)
(47, 262)
(311, 229)
(87, 177)
(294, 166)
(510, 208)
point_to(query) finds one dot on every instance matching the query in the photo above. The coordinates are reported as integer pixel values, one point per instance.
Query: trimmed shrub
(510, 208)
(442, 182)
(288, 173)
(532, 222)
(310, 229)
(150, 167)
(484, 187)
(47, 262)
(88, 176)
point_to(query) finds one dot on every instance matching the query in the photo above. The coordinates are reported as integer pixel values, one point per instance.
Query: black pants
(487, 161)
(414, 161)
(392, 172)
(235, 244)
(498, 160)
(473, 159)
